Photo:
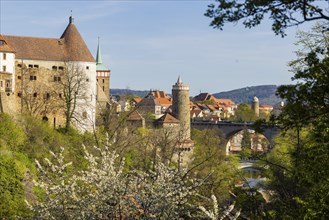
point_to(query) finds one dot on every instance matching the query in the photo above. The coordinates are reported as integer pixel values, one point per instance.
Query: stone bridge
(231, 128)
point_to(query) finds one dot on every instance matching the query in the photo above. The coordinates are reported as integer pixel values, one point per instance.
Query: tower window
(36, 66)
(4, 68)
(54, 68)
(35, 95)
(19, 65)
(103, 89)
(87, 67)
(4, 56)
(30, 66)
(19, 77)
(57, 78)
(103, 81)
(61, 68)
(1, 83)
(19, 94)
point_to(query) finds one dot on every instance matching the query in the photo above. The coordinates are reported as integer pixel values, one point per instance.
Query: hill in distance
(265, 94)
(126, 92)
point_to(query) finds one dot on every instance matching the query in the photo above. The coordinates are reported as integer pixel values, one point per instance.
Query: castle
(52, 77)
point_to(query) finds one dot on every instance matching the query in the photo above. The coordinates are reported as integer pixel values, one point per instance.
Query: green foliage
(302, 183)
(244, 113)
(210, 162)
(284, 14)
(11, 135)
(11, 190)
(249, 200)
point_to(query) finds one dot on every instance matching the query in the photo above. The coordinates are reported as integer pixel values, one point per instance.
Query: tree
(307, 115)
(12, 193)
(105, 191)
(245, 144)
(73, 89)
(244, 113)
(211, 163)
(283, 13)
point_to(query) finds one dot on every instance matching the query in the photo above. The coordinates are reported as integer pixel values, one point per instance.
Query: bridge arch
(230, 128)
(259, 142)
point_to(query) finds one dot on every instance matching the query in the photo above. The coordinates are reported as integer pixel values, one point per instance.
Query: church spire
(99, 62)
(98, 55)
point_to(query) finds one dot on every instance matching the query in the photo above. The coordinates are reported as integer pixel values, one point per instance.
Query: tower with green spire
(103, 78)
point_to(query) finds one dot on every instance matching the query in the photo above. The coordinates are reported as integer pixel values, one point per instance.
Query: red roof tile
(4, 47)
(70, 47)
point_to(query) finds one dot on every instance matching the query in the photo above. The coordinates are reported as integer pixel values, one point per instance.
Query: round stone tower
(255, 106)
(181, 107)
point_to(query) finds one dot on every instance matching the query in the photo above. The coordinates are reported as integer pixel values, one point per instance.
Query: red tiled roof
(159, 94)
(196, 112)
(226, 102)
(70, 47)
(137, 99)
(164, 102)
(135, 116)
(168, 118)
(202, 97)
(4, 47)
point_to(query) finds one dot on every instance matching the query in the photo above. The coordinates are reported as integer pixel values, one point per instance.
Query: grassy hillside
(265, 93)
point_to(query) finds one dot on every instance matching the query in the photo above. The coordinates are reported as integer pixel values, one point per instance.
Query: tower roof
(179, 85)
(70, 47)
(255, 99)
(99, 63)
(75, 46)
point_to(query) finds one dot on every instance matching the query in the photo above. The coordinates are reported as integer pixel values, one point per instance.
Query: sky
(148, 44)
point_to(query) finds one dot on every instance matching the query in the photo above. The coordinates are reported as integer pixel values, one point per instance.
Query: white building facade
(44, 61)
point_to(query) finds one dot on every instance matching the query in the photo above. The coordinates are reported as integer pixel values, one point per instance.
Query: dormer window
(2, 42)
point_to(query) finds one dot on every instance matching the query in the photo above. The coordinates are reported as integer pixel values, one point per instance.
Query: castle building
(7, 67)
(32, 68)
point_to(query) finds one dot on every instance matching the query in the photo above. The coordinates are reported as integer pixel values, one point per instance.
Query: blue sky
(148, 44)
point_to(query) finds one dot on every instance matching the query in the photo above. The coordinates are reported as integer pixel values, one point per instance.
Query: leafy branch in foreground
(283, 13)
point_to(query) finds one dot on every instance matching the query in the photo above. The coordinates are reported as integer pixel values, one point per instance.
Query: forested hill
(265, 94)
(122, 92)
